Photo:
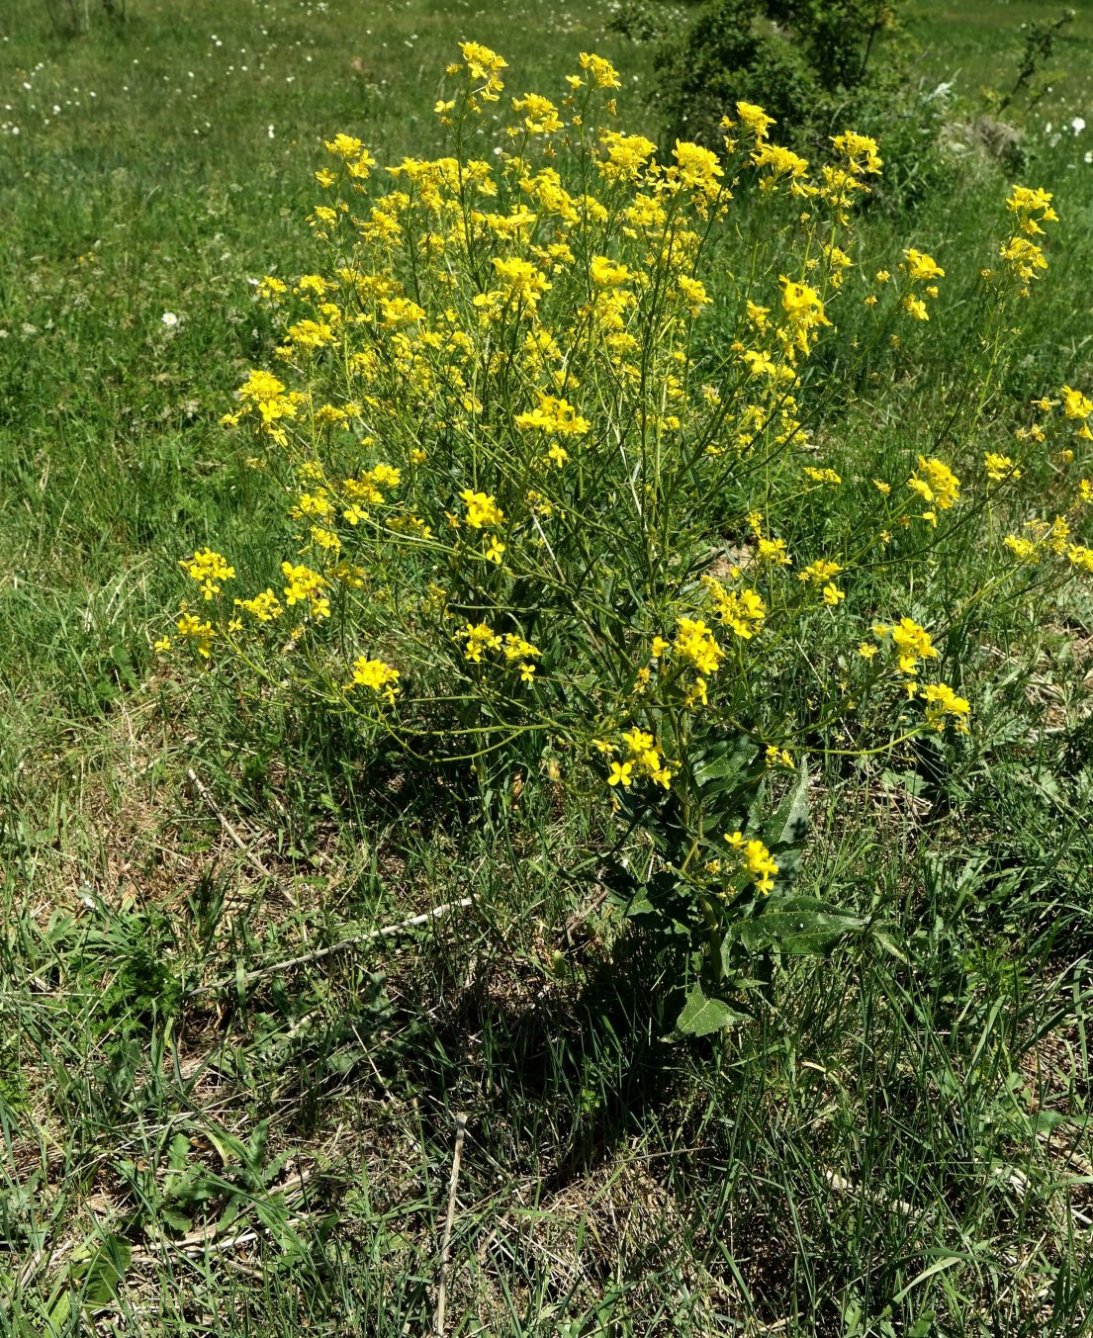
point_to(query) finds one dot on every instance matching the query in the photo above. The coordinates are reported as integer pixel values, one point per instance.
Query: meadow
(355, 1006)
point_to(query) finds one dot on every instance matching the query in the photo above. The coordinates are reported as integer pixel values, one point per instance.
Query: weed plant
(225, 1106)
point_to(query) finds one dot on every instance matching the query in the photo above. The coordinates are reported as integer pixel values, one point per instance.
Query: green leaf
(789, 826)
(701, 1015)
(799, 926)
(724, 766)
(102, 1270)
(176, 1221)
(59, 1312)
(639, 904)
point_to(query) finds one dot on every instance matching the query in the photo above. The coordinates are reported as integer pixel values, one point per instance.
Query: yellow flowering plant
(532, 442)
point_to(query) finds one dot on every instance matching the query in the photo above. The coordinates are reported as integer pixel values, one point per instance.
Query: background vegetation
(225, 1105)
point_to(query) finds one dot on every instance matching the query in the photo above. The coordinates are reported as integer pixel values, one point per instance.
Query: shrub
(815, 65)
(552, 509)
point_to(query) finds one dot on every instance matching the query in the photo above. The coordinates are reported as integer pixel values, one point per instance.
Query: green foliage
(817, 66)
(1033, 81)
(70, 18)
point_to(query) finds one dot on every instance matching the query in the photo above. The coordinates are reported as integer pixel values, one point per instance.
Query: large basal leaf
(702, 1015)
(797, 925)
(789, 825)
(723, 766)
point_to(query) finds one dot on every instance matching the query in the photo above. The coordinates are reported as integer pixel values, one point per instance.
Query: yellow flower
(819, 571)
(921, 267)
(306, 586)
(742, 611)
(804, 312)
(1024, 257)
(604, 74)
(344, 146)
(941, 701)
(780, 162)
(935, 483)
(209, 569)
(755, 118)
(912, 643)
(482, 509)
(555, 416)
(627, 155)
(520, 282)
(1078, 555)
(541, 116)
(695, 644)
(1025, 201)
(479, 637)
(755, 859)
(606, 273)
(697, 168)
(486, 65)
(860, 152)
(622, 773)
(200, 632)
(774, 552)
(264, 608)
(381, 677)
(999, 467)
(1076, 404)
(694, 294)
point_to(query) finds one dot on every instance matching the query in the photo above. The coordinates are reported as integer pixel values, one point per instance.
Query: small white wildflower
(169, 319)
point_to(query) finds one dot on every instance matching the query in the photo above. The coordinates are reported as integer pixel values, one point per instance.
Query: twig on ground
(203, 791)
(248, 978)
(446, 1241)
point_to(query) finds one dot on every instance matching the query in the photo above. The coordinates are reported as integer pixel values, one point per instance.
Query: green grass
(896, 1143)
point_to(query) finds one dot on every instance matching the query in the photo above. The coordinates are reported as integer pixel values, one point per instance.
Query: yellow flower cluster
(911, 642)
(307, 587)
(695, 644)
(264, 607)
(642, 759)
(1000, 467)
(1026, 258)
(209, 570)
(478, 638)
(754, 859)
(936, 484)
(482, 510)
(742, 611)
(922, 270)
(377, 675)
(532, 342)
(942, 701)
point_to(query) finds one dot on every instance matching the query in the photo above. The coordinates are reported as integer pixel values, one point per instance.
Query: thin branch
(246, 849)
(437, 913)
(445, 1244)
